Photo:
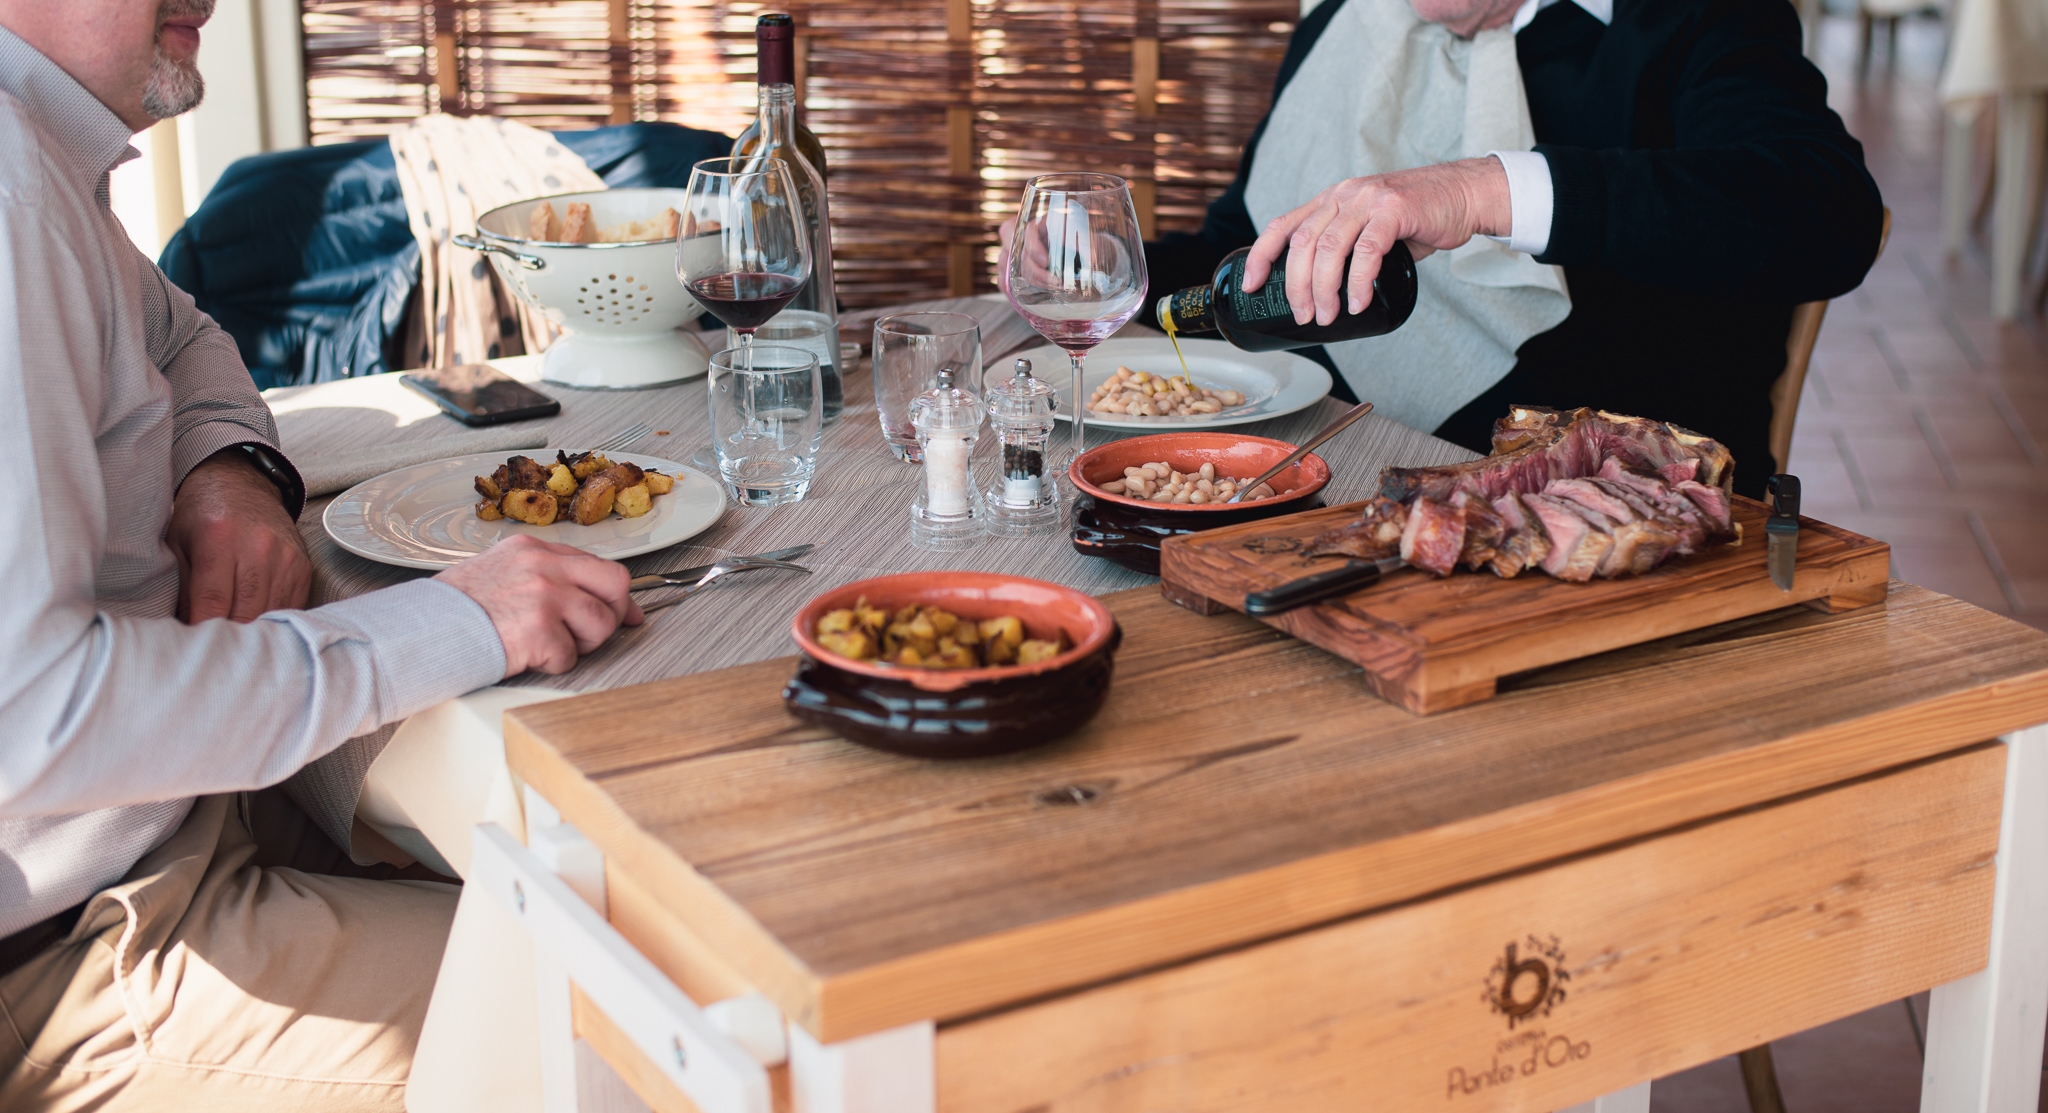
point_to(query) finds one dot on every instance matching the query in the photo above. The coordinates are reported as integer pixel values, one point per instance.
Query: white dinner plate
(1273, 383)
(424, 516)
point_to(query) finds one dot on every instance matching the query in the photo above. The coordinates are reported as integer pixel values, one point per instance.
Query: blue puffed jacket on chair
(306, 259)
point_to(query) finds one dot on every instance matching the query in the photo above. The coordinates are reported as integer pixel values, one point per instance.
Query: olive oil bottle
(1261, 321)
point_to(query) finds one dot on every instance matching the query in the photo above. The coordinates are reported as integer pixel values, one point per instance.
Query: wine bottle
(1261, 321)
(812, 319)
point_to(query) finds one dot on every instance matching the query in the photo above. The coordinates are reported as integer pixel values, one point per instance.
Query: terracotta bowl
(1129, 530)
(945, 713)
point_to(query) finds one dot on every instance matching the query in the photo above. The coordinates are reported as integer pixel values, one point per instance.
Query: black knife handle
(1308, 589)
(1784, 491)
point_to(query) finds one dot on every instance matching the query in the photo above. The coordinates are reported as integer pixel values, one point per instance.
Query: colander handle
(530, 262)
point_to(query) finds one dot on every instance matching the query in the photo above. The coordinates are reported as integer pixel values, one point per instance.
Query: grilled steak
(1533, 446)
(1576, 547)
(1376, 535)
(1523, 543)
(1434, 538)
(1484, 530)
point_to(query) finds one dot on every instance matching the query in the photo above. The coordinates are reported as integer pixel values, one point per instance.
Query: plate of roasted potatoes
(443, 512)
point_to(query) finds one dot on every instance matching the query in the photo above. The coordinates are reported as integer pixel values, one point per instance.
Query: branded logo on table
(1527, 982)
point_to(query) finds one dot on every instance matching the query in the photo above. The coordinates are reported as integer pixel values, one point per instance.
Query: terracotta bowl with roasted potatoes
(951, 664)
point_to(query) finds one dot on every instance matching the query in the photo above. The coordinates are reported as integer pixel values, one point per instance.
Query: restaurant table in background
(444, 771)
(1998, 53)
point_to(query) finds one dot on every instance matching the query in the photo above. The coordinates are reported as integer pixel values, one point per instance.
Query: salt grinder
(1024, 499)
(948, 513)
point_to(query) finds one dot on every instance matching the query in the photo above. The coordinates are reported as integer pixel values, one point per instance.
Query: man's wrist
(270, 466)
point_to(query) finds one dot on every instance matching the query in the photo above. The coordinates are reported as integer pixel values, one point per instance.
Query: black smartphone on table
(479, 394)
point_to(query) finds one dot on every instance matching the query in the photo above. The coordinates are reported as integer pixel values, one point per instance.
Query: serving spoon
(1342, 423)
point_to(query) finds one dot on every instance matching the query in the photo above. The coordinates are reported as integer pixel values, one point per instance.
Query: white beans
(1138, 394)
(1159, 482)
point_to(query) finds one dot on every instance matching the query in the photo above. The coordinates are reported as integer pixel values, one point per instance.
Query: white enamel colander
(620, 304)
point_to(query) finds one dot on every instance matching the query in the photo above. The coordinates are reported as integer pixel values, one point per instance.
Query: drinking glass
(741, 246)
(767, 410)
(909, 350)
(1077, 267)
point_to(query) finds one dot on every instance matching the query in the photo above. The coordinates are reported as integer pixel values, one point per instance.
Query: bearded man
(157, 662)
(1662, 181)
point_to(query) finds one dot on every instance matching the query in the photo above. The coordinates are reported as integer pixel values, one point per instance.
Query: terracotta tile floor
(1924, 423)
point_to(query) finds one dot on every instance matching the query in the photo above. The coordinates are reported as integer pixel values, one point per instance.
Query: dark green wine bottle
(1261, 321)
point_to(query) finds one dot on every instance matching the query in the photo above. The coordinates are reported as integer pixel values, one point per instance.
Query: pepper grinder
(1024, 500)
(948, 513)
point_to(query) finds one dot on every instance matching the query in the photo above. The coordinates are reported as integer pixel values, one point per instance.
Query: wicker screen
(932, 112)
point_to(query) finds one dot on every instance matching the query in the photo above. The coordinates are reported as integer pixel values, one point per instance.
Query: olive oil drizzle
(1166, 319)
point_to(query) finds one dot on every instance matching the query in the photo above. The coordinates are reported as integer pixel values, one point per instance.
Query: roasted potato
(561, 481)
(532, 507)
(623, 475)
(633, 501)
(1033, 650)
(593, 501)
(525, 474)
(1006, 629)
(836, 622)
(853, 644)
(489, 489)
(583, 465)
(659, 484)
(487, 509)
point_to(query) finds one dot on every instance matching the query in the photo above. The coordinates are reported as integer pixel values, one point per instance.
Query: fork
(722, 568)
(622, 438)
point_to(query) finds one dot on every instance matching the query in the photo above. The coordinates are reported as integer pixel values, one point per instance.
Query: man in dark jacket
(1698, 188)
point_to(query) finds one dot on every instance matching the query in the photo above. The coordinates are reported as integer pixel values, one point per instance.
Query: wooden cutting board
(1431, 644)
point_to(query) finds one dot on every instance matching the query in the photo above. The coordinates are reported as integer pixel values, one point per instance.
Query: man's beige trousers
(205, 981)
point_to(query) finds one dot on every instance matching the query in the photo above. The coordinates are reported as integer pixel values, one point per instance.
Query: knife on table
(1781, 532)
(683, 577)
(1309, 589)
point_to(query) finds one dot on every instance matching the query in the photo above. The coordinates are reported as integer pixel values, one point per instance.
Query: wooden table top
(1237, 785)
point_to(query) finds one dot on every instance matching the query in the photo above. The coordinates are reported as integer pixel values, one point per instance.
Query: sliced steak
(1576, 547)
(1713, 502)
(1523, 543)
(1589, 495)
(1534, 446)
(1484, 529)
(1434, 538)
(1376, 535)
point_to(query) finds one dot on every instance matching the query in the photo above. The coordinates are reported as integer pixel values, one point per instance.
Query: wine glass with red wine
(1077, 268)
(741, 246)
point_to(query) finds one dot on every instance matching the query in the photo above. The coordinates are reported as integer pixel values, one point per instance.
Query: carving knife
(1310, 589)
(1781, 532)
(684, 577)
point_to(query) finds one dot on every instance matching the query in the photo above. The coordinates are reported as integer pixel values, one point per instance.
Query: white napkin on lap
(337, 472)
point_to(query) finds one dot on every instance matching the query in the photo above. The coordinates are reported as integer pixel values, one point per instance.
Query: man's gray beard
(174, 88)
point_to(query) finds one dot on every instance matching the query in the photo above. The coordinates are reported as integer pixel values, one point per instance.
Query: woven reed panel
(1046, 84)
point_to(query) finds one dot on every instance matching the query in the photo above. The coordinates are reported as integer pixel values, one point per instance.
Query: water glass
(817, 334)
(767, 410)
(909, 350)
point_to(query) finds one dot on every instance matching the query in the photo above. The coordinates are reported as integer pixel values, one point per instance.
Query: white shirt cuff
(1530, 200)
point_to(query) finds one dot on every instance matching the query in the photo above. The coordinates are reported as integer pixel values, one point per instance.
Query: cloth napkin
(1384, 91)
(337, 472)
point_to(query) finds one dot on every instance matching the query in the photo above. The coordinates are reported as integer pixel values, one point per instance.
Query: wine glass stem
(1080, 407)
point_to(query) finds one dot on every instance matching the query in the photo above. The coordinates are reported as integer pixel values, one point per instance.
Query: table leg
(885, 1072)
(2019, 156)
(1984, 1031)
(1958, 158)
(1635, 1099)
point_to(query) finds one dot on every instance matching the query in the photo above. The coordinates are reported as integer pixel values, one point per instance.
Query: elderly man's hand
(239, 553)
(549, 602)
(1432, 207)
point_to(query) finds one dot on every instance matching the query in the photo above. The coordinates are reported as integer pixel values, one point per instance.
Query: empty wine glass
(742, 249)
(1077, 268)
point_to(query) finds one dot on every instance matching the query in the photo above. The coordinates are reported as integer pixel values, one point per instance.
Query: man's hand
(550, 603)
(239, 554)
(1432, 207)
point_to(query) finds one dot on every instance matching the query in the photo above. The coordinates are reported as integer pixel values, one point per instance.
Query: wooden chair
(1791, 382)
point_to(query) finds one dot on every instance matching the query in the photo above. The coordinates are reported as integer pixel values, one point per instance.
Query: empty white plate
(424, 516)
(1273, 383)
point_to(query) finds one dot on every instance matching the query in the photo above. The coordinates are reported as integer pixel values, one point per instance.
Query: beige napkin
(336, 472)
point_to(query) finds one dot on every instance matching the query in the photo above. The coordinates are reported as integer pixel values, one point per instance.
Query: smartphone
(479, 394)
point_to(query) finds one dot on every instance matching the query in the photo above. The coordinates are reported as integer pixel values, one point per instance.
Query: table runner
(857, 512)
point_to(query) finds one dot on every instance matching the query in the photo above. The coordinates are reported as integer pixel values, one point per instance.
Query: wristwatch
(274, 467)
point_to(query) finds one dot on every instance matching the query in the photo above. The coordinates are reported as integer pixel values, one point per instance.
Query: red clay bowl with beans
(944, 713)
(1128, 530)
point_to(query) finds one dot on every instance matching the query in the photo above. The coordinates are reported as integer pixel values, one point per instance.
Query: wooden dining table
(1248, 883)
